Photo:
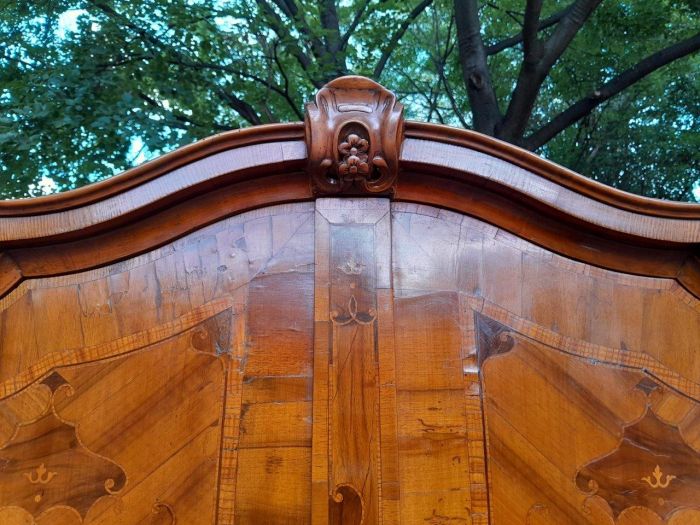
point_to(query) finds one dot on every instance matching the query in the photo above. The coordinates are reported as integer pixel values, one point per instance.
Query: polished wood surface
(215, 340)
(354, 130)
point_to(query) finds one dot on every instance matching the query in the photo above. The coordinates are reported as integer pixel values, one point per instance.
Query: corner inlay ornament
(652, 467)
(354, 131)
(45, 465)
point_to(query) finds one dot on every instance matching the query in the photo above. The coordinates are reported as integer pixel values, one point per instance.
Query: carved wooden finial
(354, 131)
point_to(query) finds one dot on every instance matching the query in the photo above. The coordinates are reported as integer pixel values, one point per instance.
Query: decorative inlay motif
(354, 131)
(351, 266)
(161, 509)
(354, 461)
(114, 348)
(346, 506)
(493, 338)
(657, 483)
(352, 315)
(75, 478)
(580, 348)
(40, 476)
(652, 467)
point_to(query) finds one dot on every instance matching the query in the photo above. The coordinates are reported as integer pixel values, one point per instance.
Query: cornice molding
(99, 191)
(551, 171)
(440, 166)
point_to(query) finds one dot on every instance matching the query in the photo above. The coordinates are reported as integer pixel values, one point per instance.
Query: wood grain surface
(211, 339)
(350, 361)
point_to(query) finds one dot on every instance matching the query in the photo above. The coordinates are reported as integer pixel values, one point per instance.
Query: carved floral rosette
(354, 131)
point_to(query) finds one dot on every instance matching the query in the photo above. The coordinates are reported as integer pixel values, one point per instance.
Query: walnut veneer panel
(579, 387)
(144, 391)
(350, 362)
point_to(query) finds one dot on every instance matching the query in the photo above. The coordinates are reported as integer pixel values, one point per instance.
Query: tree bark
(477, 78)
(536, 67)
(514, 40)
(333, 61)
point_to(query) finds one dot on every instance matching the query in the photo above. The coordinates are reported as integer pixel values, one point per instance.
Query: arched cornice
(445, 167)
(551, 171)
(154, 169)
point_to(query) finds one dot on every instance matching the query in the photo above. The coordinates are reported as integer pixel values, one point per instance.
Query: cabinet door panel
(576, 440)
(577, 382)
(349, 361)
(131, 438)
(171, 387)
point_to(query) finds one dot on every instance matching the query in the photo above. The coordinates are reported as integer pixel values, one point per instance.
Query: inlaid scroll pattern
(354, 474)
(580, 348)
(54, 469)
(653, 470)
(351, 314)
(118, 347)
(346, 506)
(652, 467)
(70, 476)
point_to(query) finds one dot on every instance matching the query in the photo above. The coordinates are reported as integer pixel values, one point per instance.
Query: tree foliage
(91, 87)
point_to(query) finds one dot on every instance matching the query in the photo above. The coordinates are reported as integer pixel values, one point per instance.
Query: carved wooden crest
(354, 131)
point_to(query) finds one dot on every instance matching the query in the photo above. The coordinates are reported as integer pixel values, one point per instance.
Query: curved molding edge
(504, 177)
(455, 169)
(152, 169)
(550, 170)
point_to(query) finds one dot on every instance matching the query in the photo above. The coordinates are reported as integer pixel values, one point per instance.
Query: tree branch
(508, 12)
(244, 109)
(611, 88)
(180, 118)
(535, 68)
(353, 25)
(334, 59)
(440, 62)
(282, 31)
(566, 30)
(394, 40)
(291, 10)
(287, 95)
(532, 48)
(472, 58)
(19, 61)
(514, 40)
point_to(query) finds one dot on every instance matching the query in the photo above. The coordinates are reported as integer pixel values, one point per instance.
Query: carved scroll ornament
(354, 131)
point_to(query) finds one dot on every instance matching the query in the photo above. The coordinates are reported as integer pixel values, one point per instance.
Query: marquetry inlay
(349, 443)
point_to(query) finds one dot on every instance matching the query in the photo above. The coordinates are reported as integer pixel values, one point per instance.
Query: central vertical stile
(354, 470)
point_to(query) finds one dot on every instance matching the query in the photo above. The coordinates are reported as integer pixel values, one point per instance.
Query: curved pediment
(354, 143)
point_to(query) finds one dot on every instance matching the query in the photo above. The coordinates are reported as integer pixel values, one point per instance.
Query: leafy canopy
(90, 88)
